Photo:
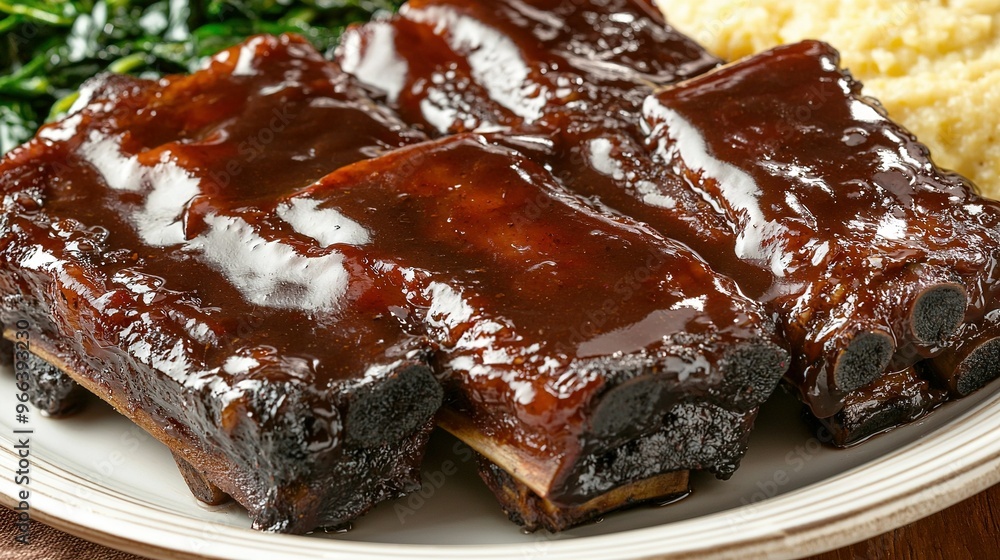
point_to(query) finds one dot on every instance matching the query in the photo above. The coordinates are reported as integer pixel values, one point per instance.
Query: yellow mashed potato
(934, 64)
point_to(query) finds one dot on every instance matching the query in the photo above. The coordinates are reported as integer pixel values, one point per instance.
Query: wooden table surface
(967, 531)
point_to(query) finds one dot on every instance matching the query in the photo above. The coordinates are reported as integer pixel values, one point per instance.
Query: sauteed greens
(49, 47)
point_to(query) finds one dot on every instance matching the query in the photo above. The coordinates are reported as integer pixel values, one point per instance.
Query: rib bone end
(863, 361)
(980, 367)
(938, 312)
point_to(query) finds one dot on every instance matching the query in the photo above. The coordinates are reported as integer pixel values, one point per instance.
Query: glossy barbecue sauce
(537, 303)
(97, 209)
(587, 66)
(168, 212)
(460, 65)
(842, 205)
(827, 212)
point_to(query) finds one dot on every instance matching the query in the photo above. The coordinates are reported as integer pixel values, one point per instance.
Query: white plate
(98, 476)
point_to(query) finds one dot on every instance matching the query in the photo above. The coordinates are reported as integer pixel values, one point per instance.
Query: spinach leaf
(48, 48)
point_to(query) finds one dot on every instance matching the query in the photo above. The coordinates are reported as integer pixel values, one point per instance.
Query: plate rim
(937, 470)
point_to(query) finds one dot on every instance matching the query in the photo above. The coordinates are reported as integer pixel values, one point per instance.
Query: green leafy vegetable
(48, 48)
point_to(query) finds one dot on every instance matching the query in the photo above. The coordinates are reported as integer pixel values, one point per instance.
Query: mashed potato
(935, 64)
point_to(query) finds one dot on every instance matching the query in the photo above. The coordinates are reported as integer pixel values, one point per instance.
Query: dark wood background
(969, 530)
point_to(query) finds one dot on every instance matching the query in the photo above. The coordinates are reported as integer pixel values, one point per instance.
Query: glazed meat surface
(863, 232)
(274, 365)
(279, 332)
(547, 312)
(888, 288)
(458, 65)
(545, 79)
(561, 219)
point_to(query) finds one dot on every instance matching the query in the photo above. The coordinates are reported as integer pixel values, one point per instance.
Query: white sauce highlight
(246, 56)
(602, 161)
(269, 273)
(236, 365)
(61, 130)
(865, 112)
(448, 308)
(494, 60)
(736, 186)
(326, 225)
(892, 228)
(380, 66)
(169, 188)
